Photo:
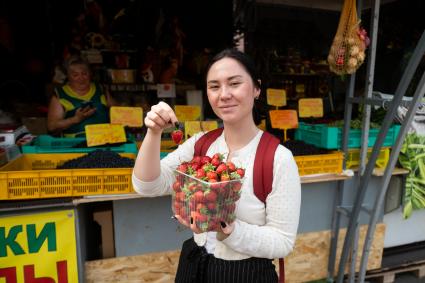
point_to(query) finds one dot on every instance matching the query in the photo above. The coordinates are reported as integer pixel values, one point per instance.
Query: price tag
(117, 133)
(193, 127)
(127, 116)
(100, 134)
(310, 107)
(284, 119)
(207, 126)
(276, 97)
(166, 90)
(187, 112)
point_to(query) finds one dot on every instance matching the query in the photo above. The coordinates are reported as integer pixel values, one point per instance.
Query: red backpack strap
(263, 166)
(202, 145)
(281, 271)
(263, 177)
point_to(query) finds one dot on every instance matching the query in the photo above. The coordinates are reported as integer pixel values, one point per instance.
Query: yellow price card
(187, 112)
(310, 107)
(276, 97)
(193, 127)
(127, 116)
(117, 133)
(207, 126)
(100, 134)
(284, 119)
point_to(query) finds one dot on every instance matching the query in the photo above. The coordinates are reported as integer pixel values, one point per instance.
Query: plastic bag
(347, 52)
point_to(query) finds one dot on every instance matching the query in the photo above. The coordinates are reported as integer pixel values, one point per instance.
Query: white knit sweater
(266, 231)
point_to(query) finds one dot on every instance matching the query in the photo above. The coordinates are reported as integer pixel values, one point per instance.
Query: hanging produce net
(347, 52)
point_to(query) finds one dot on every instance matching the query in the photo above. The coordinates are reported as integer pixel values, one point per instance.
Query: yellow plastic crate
(320, 164)
(167, 145)
(353, 157)
(33, 176)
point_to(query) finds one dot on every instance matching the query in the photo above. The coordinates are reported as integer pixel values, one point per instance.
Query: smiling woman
(263, 229)
(232, 86)
(78, 103)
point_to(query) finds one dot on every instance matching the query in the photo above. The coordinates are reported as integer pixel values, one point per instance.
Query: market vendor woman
(79, 102)
(241, 251)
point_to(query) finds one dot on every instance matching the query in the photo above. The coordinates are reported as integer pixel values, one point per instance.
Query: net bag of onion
(347, 52)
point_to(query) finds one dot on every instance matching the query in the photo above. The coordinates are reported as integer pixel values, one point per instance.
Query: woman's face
(79, 77)
(231, 91)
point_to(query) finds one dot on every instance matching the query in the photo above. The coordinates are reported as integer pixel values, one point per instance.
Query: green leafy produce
(412, 157)
(354, 124)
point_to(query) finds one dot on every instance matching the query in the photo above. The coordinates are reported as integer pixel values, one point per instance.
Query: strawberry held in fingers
(177, 134)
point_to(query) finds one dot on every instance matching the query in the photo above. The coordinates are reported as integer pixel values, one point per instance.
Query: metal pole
(336, 216)
(388, 172)
(369, 84)
(364, 181)
(353, 255)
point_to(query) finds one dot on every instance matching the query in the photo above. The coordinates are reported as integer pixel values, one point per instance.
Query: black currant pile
(301, 148)
(99, 159)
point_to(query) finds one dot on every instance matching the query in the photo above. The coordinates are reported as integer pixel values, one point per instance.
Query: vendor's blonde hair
(75, 60)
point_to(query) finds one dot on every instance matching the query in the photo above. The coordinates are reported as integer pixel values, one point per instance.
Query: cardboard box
(9, 137)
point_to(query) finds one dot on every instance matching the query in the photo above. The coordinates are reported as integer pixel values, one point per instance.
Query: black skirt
(196, 266)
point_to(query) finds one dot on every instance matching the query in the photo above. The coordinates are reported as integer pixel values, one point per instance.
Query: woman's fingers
(160, 116)
(227, 228)
(191, 225)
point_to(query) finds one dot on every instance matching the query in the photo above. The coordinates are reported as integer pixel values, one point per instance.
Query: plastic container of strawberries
(207, 203)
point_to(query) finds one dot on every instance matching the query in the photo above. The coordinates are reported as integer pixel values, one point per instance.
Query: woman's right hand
(160, 117)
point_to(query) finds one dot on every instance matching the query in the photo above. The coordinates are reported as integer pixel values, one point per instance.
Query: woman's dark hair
(242, 58)
(248, 64)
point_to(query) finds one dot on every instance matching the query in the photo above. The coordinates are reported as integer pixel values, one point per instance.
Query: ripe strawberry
(193, 187)
(180, 196)
(196, 159)
(195, 166)
(241, 172)
(221, 168)
(230, 166)
(200, 173)
(210, 196)
(211, 175)
(177, 186)
(211, 206)
(224, 177)
(177, 206)
(205, 160)
(215, 162)
(199, 196)
(219, 156)
(201, 208)
(182, 167)
(214, 184)
(177, 136)
(236, 187)
(199, 218)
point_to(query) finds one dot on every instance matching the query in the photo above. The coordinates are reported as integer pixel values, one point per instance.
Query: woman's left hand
(226, 228)
(191, 225)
